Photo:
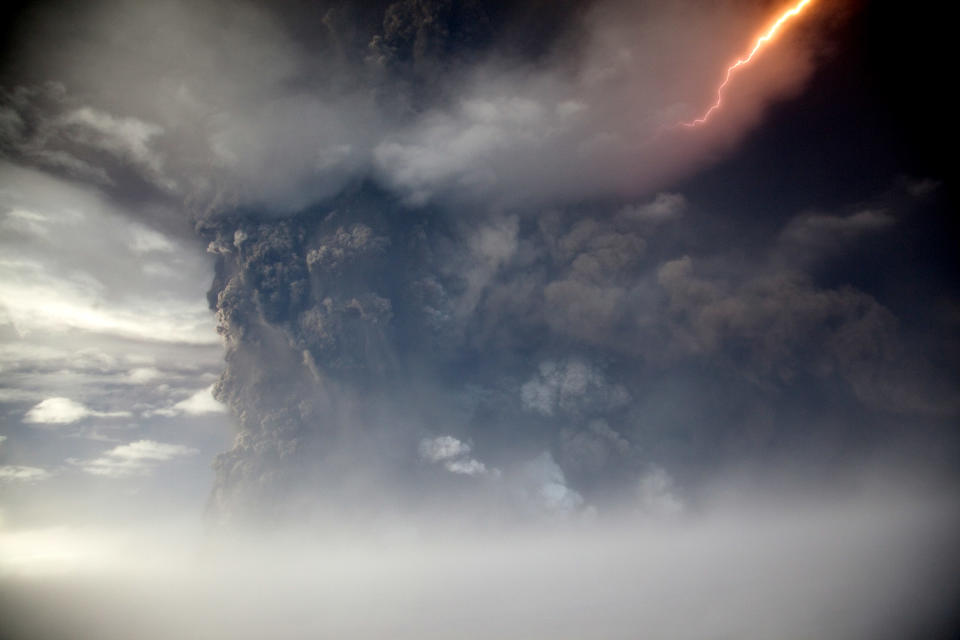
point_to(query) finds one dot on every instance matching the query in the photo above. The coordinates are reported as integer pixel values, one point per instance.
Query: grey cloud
(922, 187)
(585, 311)
(491, 247)
(595, 250)
(778, 315)
(22, 473)
(784, 326)
(135, 458)
(129, 138)
(666, 206)
(811, 237)
(594, 448)
(599, 461)
(29, 131)
(545, 486)
(656, 494)
(571, 387)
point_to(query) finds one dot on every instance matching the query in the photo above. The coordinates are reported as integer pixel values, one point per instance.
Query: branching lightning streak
(771, 33)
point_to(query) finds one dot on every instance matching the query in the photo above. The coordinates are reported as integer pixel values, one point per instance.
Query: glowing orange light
(761, 42)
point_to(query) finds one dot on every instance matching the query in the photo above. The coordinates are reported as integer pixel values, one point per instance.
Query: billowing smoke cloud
(446, 223)
(495, 369)
(550, 363)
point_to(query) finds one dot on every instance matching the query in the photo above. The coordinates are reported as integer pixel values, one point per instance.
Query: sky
(439, 308)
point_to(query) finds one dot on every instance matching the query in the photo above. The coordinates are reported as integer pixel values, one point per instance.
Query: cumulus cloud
(442, 448)
(454, 455)
(58, 411)
(199, 403)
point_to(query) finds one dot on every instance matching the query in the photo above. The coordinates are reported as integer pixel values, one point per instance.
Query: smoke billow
(466, 312)
(384, 359)
(438, 219)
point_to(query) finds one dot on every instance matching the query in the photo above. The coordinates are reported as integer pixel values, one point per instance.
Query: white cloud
(135, 458)
(442, 448)
(454, 455)
(65, 411)
(142, 375)
(466, 466)
(3, 439)
(198, 404)
(37, 301)
(85, 271)
(18, 473)
(25, 221)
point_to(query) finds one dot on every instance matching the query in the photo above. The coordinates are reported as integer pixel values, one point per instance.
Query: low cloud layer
(134, 458)
(845, 569)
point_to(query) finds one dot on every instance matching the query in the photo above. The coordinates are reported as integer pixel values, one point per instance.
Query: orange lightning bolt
(762, 41)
